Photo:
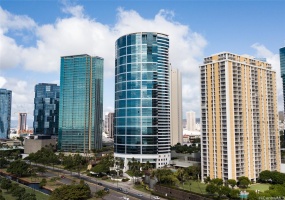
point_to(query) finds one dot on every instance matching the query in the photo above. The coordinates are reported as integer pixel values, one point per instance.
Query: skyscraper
(239, 117)
(81, 103)
(282, 65)
(22, 122)
(46, 109)
(142, 98)
(176, 126)
(5, 112)
(191, 121)
(111, 124)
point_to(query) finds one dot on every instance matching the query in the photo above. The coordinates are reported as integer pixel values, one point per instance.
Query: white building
(176, 107)
(191, 121)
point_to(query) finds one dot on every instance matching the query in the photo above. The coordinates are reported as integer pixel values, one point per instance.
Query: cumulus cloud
(274, 60)
(78, 34)
(2, 81)
(22, 96)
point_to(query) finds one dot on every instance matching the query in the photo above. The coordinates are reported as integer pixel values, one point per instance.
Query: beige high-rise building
(176, 126)
(239, 117)
(191, 121)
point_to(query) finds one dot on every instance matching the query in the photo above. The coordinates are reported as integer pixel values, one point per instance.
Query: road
(114, 194)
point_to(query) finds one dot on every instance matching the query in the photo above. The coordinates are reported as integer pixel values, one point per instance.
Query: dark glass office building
(81, 103)
(5, 112)
(46, 109)
(142, 98)
(282, 65)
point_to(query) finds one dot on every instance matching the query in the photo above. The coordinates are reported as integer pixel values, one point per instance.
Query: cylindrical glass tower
(142, 98)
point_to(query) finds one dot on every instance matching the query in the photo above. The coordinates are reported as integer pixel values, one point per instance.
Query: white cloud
(79, 34)
(22, 96)
(10, 21)
(274, 60)
(2, 81)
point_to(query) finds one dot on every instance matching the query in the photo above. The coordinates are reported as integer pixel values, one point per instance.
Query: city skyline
(29, 35)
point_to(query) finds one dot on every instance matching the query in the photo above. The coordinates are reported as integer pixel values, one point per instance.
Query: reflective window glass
(134, 85)
(134, 94)
(134, 103)
(133, 111)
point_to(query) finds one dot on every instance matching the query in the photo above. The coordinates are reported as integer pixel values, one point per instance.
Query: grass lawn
(259, 186)
(194, 186)
(39, 195)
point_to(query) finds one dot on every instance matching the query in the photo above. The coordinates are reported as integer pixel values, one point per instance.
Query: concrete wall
(33, 145)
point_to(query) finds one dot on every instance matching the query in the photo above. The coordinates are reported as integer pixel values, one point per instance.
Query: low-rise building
(34, 143)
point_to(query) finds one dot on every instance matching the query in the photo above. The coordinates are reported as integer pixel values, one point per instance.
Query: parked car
(120, 189)
(99, 183)
(106, 189)
(140, 195)
(156, 197)
(125, 191)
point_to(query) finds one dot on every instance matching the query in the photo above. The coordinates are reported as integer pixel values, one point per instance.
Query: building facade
(239, 117)
(282, 65)
(111, 124)
(142, 98)
(176, 126)
(5, 112)
(106, 124)
(22, 122)
(191, 121)
(46, 109)
(81, 103)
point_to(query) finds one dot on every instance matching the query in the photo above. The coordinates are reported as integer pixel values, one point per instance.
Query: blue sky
(34, 34)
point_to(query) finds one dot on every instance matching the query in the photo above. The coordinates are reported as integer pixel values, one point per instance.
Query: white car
(126, 198)
(156, 197)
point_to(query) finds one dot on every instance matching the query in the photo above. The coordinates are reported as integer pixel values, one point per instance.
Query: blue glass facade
(142, 101)
(46, 109)
(81, 103)
(5, 112)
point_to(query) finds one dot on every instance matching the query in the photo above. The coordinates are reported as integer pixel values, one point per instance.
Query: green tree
(217, 181)
(234, 194)
(6, 183)
(232, 183)
(211, 188)
(252, 195)
(41, 169)
(243, 182)
(18, 168)
(207, 179)
(265, 176)
(2, 198)
(3, 162)
(224, 190)
(18, 192)
(43, 183)
(71, 192)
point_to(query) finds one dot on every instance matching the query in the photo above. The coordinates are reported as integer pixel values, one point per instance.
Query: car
(99, 183)
(125, 191)
(106, 189)
(126, 198)
(120, 189)
(140, 195)
(62, 176)
(156, 197)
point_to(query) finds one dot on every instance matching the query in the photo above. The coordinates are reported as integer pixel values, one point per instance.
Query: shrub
(125, 179)
(104, 177)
